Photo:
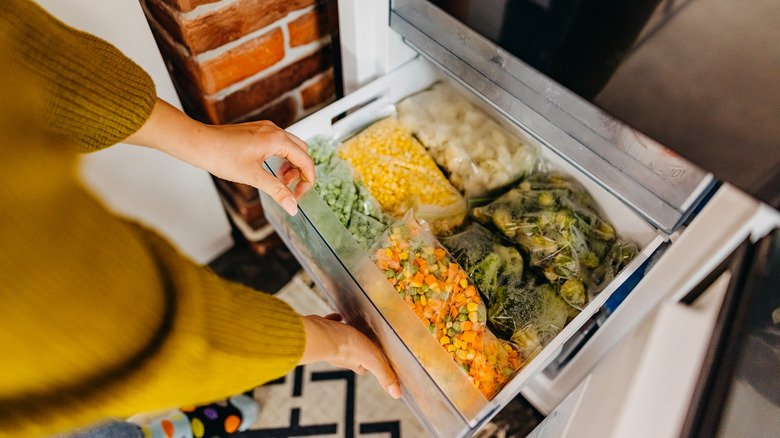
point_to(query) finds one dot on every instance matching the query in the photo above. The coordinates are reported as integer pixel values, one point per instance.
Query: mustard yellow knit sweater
(100, 317)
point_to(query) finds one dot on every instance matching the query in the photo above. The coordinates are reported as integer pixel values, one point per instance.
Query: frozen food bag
(476, 152)
(349, 199)
(440, 293)
(558, 225)
(520, 308)
(400, 174)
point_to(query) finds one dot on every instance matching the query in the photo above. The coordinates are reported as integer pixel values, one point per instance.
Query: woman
(99, 316)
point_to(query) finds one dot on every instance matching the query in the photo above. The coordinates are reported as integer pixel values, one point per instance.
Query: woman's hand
(232, 152)
(342, 345)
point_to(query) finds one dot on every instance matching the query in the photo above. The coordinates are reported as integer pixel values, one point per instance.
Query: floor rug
(320, 400)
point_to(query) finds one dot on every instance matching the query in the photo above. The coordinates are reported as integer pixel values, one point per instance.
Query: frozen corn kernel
(397, 169)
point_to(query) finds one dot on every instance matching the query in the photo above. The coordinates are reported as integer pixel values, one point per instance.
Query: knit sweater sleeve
(97, 97)
(101, 317)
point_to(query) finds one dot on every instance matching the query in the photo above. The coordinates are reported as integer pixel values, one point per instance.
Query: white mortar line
(206, 8)
(282, 22)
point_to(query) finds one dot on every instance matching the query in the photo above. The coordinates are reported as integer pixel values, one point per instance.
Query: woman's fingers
(378, 366)
(281, 194)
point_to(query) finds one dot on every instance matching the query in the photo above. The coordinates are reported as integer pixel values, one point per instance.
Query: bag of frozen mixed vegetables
(528, 312)
(440, 293)
(400, 174)
(559, 226)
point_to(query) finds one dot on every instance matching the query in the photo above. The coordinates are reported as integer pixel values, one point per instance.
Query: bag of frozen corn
(475, 151)
(440, 293)
(400, 174)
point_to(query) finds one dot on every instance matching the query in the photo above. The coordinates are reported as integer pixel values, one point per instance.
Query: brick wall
(242, 60)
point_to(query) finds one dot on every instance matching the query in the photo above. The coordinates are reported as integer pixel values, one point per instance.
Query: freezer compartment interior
(440, 393)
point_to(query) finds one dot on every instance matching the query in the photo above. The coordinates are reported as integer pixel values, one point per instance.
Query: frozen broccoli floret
(530, 312)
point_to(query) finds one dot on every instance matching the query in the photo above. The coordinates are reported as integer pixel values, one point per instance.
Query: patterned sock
(234, 414)
(173, 424)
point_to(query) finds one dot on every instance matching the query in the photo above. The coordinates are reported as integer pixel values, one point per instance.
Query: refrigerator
(666, 112)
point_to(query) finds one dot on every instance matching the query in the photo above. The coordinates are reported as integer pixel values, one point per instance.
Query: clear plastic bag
(558, 225)
(400, 174)
(349, 199)
(440, 293)
(475, 151)
(521, 309)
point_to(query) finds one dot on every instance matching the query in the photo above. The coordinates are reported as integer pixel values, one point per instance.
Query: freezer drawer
(435, 388)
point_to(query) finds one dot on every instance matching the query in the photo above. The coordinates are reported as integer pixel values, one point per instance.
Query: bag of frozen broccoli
(528, 312)
(556, 222)
(440, 293)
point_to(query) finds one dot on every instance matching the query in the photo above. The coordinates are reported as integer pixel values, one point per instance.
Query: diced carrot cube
(469, 337)
(439, 253)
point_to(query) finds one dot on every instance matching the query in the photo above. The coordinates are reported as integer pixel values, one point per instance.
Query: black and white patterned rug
(319, 400)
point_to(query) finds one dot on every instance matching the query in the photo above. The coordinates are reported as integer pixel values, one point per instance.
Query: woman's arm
(232, 152)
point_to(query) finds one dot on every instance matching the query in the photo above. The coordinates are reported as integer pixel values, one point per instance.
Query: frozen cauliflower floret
(455, 132)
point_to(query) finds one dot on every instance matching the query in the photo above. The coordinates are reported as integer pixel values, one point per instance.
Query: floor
(348, 405)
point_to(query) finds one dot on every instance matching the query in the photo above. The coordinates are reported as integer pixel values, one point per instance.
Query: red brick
(309, 27)
(284, 113)
(246, 191)
(166, 19)
(188, 5)
(265, 90)
(266, 245)
(242, 62)
(214, 29)
(320, 91)
(251, 211)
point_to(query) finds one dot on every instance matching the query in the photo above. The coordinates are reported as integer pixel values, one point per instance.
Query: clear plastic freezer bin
(434, 387)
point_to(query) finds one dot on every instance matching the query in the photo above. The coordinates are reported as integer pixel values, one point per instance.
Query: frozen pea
(463, 317)
(448, 318)
(389, 273)
(450, 332)
(456, 325)
(431, 328)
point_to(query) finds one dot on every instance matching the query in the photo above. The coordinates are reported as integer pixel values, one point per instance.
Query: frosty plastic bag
(365, 229)
(557, 223)
(439, 292)
(400, 174)
(475, 151)
(520, 308)
(349, 199)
